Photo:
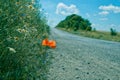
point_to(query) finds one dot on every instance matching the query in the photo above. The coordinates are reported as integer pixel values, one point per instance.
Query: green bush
(113, 32)
(22, 28)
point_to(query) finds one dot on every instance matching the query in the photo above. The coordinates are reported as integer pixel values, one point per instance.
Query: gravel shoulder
(81, 58)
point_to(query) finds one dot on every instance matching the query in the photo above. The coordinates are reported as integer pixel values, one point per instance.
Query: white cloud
(112, 25)
(95, 25)
(63, 9)
(103, 19)
(104, 13)
(115, 9)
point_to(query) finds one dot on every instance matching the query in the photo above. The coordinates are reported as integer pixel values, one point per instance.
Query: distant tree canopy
(75, 22)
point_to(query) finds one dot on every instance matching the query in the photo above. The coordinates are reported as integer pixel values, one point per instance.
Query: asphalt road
(81, 58)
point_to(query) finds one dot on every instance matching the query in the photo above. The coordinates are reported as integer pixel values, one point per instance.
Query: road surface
(81, 58)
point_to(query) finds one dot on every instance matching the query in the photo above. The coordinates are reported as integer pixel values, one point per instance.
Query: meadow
(103, 35)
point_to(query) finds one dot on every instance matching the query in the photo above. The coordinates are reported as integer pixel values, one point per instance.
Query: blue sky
(103, 14)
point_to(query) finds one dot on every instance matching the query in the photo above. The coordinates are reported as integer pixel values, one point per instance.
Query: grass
(22, 29)
(95, 34)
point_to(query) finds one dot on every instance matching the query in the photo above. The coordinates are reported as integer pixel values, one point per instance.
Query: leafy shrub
(113, 32)
(22, 28)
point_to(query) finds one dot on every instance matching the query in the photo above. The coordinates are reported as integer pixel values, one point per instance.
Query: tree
(113, 32)
(75, 22)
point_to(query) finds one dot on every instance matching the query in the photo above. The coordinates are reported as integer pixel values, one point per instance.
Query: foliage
(75, 22)
(113, 32)
(22, 28)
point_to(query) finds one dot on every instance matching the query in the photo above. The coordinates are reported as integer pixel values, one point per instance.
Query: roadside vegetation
(22, 29)
(77, 25)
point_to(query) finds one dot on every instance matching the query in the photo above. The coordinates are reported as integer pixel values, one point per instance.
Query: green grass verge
(95, 34)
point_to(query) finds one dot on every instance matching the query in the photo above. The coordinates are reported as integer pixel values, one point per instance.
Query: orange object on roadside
(52, 44)
(45, 42)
